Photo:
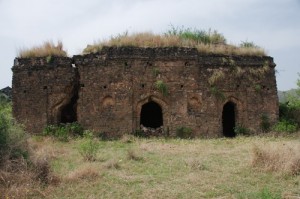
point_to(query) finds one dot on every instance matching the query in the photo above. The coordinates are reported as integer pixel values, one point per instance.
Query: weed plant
(64, 131)
(286, 126)
(241, 130)
(265, 124)
(89, 147)
(184, 132)
(13, 143)
(162, 87)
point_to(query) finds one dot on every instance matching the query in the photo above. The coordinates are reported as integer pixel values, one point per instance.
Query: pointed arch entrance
(229, 119)
(151, 115)
(68, 112)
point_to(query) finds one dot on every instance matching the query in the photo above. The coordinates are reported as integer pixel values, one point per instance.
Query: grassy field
(169, 168)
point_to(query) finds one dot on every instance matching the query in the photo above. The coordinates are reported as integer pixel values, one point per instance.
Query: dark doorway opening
(151, 115)
(69, 112)
(228, 119)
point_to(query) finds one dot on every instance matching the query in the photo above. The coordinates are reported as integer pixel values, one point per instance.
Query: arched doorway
(151, 115)
(69, 112)
(228, 119)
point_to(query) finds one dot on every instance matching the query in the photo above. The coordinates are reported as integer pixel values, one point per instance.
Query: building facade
(123, 89)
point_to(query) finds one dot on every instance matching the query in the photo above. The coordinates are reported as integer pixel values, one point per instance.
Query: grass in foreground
(174, 168)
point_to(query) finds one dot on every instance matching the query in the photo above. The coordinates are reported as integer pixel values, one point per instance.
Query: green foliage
(294, 100)
(74, 129)
(241, 130)
(89, 147)
(286, 126)
(289, 112)
(155, 72)
(257, 88)
(139, 133)
(63, 131)
(4, 98)
(184, 132)
(57, 131)
(12, 136)
(265, 123)
(162, 87)
(4, 126)
(200, 36)
(49, 59)
(248, 44)
(265, 193)
(217, 93)
(216, 76)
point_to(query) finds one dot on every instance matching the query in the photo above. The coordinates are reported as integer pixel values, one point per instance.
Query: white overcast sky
(271, 24)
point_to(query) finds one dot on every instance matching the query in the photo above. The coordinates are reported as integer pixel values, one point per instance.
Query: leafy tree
(294, 100)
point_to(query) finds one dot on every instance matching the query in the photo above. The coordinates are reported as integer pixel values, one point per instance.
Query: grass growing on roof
(210, 41)
(47, 49)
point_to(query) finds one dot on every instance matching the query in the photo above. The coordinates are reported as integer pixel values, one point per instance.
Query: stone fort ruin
(120, 89)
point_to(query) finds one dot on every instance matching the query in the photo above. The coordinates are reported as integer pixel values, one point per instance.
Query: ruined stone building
(121, 88)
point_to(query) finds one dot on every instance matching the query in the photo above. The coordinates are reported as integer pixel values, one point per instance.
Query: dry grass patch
(113, 164)
(174, 168)
(196, 164)
(48, 48)
(282, 158)
(86, 172)
(204, 42)
(133, 155)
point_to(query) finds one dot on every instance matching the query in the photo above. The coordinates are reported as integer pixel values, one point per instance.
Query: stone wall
(41, 88)
(114, 85)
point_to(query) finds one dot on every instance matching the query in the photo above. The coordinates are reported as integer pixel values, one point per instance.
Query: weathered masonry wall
(116, 90)
(41, 89)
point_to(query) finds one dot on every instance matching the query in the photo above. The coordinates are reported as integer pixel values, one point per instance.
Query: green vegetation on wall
(162, 87)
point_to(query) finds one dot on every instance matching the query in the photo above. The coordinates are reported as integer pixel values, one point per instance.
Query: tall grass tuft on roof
(207, 42)
(48, 48)
(197, 36)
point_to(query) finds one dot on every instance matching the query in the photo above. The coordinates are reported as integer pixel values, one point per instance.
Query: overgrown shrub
(20, 172)
(289, 112)
(13, 142)
(265, 124)
(241, 130)
(64, 131)
(139, 133)
(285, 126)
(4, 125)
(89, 147)
(74, 129)
(184, 132)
